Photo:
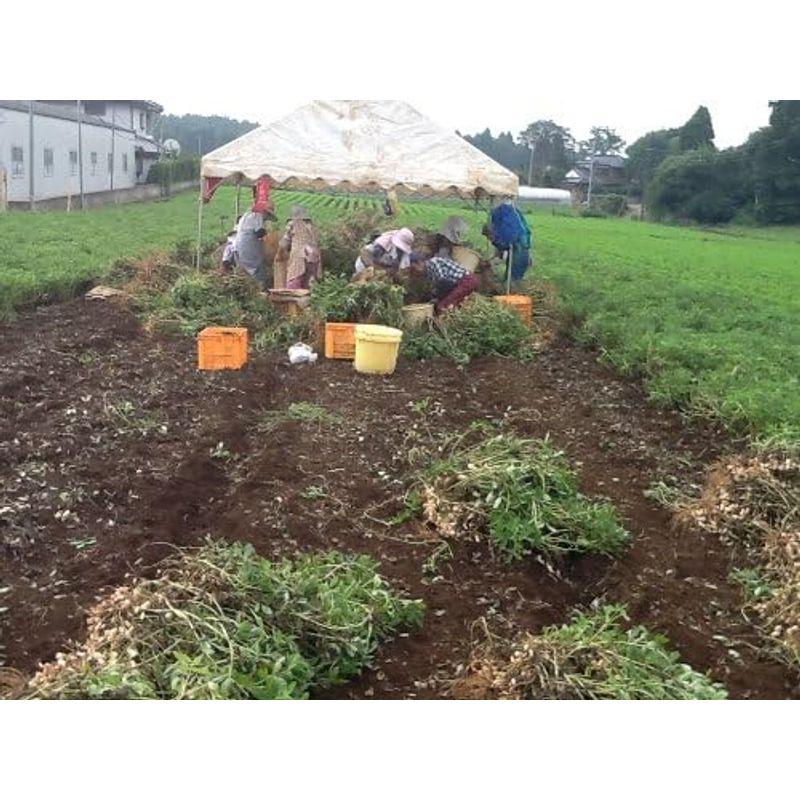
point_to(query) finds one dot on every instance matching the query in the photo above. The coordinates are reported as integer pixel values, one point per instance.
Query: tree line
(683, 176)
(199, 134)
(678, 173)
(544, 152)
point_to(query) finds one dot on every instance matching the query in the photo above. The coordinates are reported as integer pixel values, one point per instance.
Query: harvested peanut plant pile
(753, 502)
(594, 657)
(222, 622)
(479, 327)
(522, 492)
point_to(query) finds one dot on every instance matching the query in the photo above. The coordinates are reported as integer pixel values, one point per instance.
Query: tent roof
(361, 146)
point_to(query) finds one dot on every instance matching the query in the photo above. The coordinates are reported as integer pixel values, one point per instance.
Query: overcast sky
(636, 67)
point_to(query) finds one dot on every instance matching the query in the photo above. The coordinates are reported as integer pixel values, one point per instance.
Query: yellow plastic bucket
(376, 349)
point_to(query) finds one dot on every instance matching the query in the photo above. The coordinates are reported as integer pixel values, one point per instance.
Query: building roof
(63, 111)
(614, 161)
(58, 112)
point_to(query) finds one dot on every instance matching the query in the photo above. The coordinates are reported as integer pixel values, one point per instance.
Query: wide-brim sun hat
(403, 239)
(454, 229)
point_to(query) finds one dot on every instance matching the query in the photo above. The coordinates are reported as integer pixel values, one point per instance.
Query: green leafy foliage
(609, 205)
(522, 492)
(776, 165)
(170, 170)
(707, 318)
(335, 299)
(224, 623)
(199, 299)
(597, 656)
(341, 240)
(479, 327)
(702, 185)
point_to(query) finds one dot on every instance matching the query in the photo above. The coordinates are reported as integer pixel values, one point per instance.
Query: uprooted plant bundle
(594, 657)
(222, 622)
(341, 242)
(198, 299)
(336, 299)
(479, 327)
(754, 503)
(521, 492)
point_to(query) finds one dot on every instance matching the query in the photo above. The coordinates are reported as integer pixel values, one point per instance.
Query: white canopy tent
(358, 146)
(361, 145)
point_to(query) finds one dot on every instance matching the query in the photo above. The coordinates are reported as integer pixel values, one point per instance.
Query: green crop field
(709, 318)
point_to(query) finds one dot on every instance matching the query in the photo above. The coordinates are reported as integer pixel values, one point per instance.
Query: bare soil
(114, 449)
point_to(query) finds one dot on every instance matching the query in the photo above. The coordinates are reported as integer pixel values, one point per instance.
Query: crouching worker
(452, 283)
(390, 251)
(229, 253)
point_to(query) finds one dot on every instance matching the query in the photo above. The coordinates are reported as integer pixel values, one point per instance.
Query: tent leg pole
(238, 195)
(199, 227)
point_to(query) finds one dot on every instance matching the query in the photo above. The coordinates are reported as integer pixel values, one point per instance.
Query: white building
(42, 155)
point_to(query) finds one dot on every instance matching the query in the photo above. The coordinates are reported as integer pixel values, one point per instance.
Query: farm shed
(360, 146)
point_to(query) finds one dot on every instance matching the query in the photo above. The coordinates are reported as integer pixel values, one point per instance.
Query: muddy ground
(114, 450)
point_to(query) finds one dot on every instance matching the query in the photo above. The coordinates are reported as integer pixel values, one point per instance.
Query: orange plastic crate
(520, 304)
(222, 348)
(340, 340)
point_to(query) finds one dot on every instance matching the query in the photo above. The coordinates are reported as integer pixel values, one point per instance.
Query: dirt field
(110, 456)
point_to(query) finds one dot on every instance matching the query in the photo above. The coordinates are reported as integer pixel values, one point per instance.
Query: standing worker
(249, 247)
(299, 252)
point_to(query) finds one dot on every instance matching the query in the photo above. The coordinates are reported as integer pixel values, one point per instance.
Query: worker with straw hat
(450, 234)
(299, 252)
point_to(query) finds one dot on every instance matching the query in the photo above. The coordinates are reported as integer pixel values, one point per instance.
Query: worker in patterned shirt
(452, 282)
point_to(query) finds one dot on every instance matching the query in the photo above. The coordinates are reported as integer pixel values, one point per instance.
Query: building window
(124, 162)
(48, 162)
(73, 162)
(110, 164)
(93, 161)
(141, 120)
(95, 107)
(17, 162)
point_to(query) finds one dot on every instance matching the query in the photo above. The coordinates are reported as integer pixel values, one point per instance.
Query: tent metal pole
(238, 204)
(199, 225)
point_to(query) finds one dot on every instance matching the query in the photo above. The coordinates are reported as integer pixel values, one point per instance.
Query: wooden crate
(221, 348)
(340, 340)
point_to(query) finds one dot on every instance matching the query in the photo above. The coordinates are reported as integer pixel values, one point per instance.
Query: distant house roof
(58, 112)
(612, 161)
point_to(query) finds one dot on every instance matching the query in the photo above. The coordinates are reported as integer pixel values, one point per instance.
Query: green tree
(698, 131)
(553, 150)
(646, 154)
(702, 185)
(196, 132)
(502, 149)
(776, 165)
(602, 141)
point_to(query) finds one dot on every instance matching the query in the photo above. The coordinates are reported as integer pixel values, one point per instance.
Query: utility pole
(530, 164)
(199, 148)
(80, 150)
(591, 180)
(31, 159)
(113, 153)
